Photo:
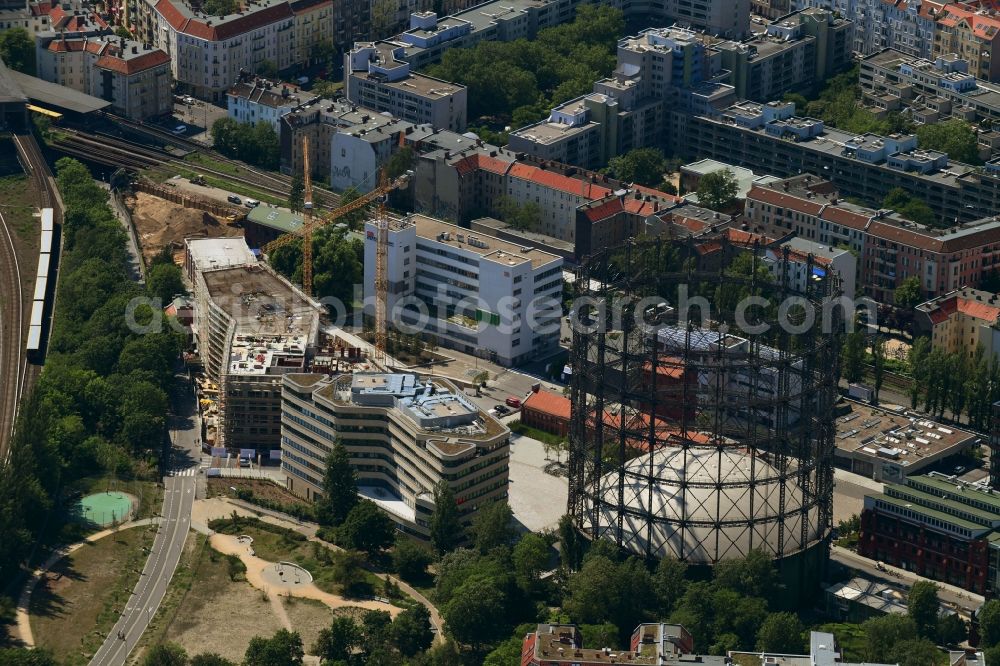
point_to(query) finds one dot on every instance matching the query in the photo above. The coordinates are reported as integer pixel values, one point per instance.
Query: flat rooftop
(882, 435)
(546, 133)
(415, 83)
(280, 219)
(255, 354)
(212, 253)
(487, 247)
(879, 596)
(434, 405)
(260, 302)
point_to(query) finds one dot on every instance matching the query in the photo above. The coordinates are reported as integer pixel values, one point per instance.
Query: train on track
(41, 305)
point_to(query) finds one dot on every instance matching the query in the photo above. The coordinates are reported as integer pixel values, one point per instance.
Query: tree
(854, 356)
(411, 630)
(605, 591)
(878, 361)
(916, 360)
(340, 488)
(337, 642)
(644, 166)
(282, 649)
(752, 576)
(989, 623)
(219, 7)
(915, 652)
(267, 69)
(399, 163)
(164, 281)
(522, 216)
(123, 32)
(922, 607)
(530, 559)
(210, 659)
(297, 193)
(375, 628)
(951, 629)
(17, 50)
(26, 657)
(955, 137)
(476, 614)
(883, 633)
(446, 527)
(670, 583)
(410, 560)
(367, 529)
(166, 654)
(491, 526)
(570, 548)
(913, 209)
(908, 295)
(718, 190)
(781, 633)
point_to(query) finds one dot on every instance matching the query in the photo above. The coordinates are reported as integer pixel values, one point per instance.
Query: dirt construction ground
(159, 223)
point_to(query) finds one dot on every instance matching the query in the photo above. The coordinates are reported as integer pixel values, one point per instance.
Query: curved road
(160, 565)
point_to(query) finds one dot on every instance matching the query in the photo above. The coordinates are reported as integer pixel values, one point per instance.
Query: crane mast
(307, 205)
(381, 280)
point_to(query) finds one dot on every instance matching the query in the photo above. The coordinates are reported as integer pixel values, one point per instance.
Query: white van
(251, 203)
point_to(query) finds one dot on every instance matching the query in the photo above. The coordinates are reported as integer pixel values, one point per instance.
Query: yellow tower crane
(312, 223)
(307, 204)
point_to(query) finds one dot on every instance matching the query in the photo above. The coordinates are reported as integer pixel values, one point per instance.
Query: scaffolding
(697, 436)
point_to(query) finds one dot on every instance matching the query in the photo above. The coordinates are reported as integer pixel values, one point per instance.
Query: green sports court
(105, 508)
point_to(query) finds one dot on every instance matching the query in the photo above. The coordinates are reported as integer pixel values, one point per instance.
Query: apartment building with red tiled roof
(973, 34)
(889, 248)
(133, 77)
(208, 52)
(962, 320)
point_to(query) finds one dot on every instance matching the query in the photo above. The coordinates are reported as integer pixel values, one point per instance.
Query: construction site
(160, 224)
(695, 434)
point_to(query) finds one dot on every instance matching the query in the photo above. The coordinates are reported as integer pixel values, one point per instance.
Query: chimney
(135, 50)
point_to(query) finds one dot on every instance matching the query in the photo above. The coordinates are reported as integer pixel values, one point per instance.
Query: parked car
(501, 410)
(233, 199)
(959, 469)
(180, 129)
(244, 462)
(251, 203)
(513, 402)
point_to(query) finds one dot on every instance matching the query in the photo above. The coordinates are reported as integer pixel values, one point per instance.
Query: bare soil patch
(160, 223)
(261, 489)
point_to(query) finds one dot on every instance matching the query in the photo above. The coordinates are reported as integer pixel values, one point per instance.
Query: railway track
(17, 374)
(277, 184)
(118, 152)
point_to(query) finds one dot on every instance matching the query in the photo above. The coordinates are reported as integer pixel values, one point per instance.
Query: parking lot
(197, 117)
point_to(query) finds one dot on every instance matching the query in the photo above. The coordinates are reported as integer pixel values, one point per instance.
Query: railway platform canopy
(12, 100)
(53, 95)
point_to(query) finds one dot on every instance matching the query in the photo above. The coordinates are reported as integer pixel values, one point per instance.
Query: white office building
(479, 294)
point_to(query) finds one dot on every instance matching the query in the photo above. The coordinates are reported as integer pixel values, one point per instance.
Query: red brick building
(547, 411)
(935, 529)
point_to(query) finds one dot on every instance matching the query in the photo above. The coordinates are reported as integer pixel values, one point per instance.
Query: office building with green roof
(938, 527)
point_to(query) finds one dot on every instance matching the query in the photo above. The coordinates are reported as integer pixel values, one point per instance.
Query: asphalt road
(180, 489)
(160, 565)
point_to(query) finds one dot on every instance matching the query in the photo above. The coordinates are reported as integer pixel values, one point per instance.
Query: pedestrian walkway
(22, 628)
(187, 471)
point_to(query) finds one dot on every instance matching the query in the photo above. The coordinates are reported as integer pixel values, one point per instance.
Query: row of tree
(520, 81)
(254, 144)
(100, 404)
